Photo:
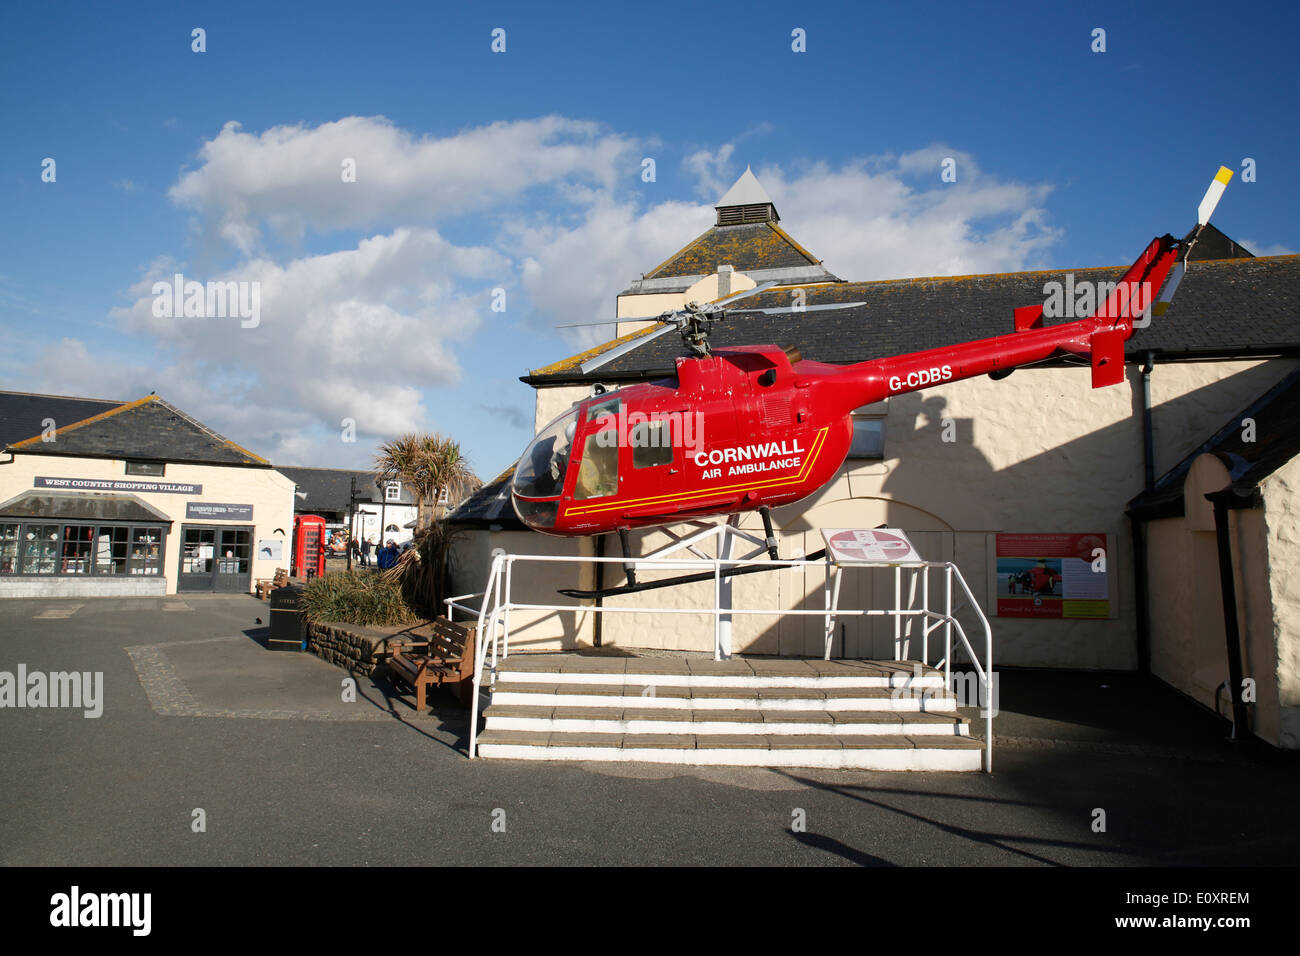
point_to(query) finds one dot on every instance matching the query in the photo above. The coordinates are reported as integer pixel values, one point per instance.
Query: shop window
(154, 468)
(598, 473)
(652, 444)
(146, 551)
(74, 555)
(9, 548)
(31, 548)
(40, 548)
(111, 550)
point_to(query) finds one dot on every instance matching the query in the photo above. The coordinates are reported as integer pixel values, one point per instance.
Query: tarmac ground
(199, 716)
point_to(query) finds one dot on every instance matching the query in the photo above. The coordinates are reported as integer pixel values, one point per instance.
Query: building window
(155, 468)
(9, 548)
(75, 558)
(146, 551)
(40, 549)
(392, 491)
(110, 550)
(82, 549)
(869, 431)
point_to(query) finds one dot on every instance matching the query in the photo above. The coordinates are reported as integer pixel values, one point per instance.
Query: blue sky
(522, 170)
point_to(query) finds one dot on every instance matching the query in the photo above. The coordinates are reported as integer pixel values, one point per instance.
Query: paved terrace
(197, 714)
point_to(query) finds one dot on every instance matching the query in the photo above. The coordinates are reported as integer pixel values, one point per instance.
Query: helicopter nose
(538, 514)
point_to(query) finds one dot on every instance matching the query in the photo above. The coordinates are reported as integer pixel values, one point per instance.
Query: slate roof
(21, 413)
(148, 429)
(330, 489)
(1277, 440)
(490, 505)
(747, 247)
(81, 506)
(1233, 308)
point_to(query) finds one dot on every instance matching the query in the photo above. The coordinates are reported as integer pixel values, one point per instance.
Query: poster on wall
(270, 549)
(1052, 576)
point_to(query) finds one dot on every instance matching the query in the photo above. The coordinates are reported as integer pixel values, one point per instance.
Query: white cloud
(1272, 249)
(573, 274)
(887, 218)
(868, 219)
(351, 334)
(709, 168)
(289, 178)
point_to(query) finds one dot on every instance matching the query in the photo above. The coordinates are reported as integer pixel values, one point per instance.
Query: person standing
(365, 552)
(387, 556)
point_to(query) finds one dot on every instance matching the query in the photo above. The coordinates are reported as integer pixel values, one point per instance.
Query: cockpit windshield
(540, 472)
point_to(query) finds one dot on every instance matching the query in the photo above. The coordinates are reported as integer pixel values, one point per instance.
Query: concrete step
(642, 672)
(835, 751)
(650, 720)
(746, 697)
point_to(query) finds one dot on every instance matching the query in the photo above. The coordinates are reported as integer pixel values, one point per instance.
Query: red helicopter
(755, 427)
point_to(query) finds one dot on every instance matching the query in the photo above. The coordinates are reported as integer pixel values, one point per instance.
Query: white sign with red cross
(877, 546)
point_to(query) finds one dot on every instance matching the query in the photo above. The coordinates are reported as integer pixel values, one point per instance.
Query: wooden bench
(266, 585)
(445, 657)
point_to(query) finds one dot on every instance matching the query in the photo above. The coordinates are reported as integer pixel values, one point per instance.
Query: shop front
(138, 500)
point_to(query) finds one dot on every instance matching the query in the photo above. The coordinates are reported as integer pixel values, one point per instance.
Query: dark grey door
(215, 558)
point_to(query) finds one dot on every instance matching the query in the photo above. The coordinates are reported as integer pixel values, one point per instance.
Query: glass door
(198, 558)
(234, 560)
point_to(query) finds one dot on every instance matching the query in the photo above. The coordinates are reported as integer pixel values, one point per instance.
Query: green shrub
(356, 597)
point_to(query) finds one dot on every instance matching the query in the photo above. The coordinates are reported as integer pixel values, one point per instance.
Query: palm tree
(429, 464)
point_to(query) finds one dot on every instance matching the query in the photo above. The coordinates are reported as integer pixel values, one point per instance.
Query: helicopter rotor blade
(583, 325)
(1203, 213)
(744, 293)
(803, 308)
(636, 343)
(1213, 195)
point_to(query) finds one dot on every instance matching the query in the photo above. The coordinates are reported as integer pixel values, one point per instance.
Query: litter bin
(288, 622)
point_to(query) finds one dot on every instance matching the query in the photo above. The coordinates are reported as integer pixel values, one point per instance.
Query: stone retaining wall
(356, 649)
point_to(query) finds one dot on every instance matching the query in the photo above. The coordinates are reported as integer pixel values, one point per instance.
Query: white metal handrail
(496, 602)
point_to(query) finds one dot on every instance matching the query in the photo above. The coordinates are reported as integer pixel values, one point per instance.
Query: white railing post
(947, 625)
(898, 618)
(510, 564)
(925, 617)
(480, 652)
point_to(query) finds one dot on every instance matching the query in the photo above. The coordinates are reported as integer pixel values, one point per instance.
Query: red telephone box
(308, 546)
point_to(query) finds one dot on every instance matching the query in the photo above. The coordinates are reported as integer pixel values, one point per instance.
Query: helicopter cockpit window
(540, 472)
(598, 472)
(652, 444)
(608, 409)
